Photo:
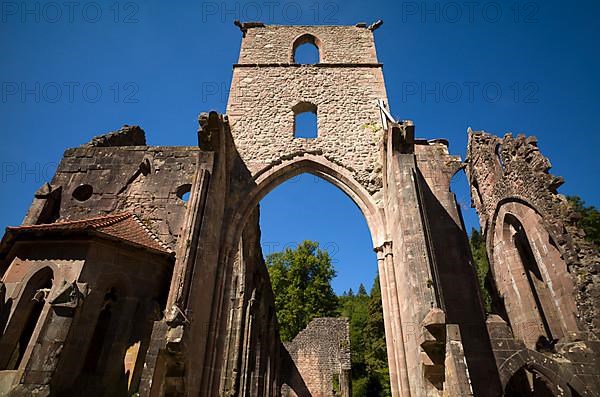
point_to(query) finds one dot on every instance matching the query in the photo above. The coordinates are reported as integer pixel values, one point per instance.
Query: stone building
(139, 268)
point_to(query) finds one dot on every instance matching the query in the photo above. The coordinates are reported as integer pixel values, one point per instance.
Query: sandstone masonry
(138, 269)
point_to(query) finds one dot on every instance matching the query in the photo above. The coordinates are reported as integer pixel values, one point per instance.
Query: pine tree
(362, 291)
(376, 351)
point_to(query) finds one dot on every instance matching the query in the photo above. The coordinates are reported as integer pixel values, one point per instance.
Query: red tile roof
(124, 226)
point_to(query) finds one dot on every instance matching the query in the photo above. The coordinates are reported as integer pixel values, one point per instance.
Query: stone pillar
(392, 321)
(457, 382)
(48, 340)
(45, 206)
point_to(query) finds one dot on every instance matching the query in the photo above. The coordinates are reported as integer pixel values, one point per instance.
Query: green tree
(362, 291)
(370, 373)
(376, 351)
(301, 282)
(589, 221)
(355, 308)
(482, 265)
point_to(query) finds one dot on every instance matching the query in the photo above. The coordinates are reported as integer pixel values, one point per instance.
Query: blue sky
(72, 70)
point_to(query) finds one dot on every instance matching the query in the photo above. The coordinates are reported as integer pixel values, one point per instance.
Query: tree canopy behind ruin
(370, 372)
(301, 281)
(589, 219)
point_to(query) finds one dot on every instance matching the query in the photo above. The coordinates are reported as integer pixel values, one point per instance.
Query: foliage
(589, 221)
(370, 373)
(301, 281)
(482, 266)
(355, 308)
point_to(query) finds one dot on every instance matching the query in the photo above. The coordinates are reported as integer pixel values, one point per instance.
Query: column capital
(384, 250)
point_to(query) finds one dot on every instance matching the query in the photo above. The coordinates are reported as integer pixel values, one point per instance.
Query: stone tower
(268, 88)
(119, 282)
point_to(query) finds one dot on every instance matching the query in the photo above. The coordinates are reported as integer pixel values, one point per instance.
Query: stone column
(392, 321)
(52, 334)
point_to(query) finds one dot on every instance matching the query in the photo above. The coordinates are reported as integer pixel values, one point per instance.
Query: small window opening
(99, 337)
(83, 192)
(183, 192)
(499, 156)
(305, 120)
(306, 50)
(306, 54)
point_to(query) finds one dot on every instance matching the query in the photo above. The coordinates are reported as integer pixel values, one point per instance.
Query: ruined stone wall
(266, 86)
(320, 353)
(253, 363)
(512, 169)
(543, 271)
(144, 180)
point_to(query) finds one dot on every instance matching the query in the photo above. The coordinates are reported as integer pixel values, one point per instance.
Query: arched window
(305, 120)
(530, 383)
(305, 50)
(529, 273)
(99, 337)
(499, 157)
(25, 319)
(534, 277)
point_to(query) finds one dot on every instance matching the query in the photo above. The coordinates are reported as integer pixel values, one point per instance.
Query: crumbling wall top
(126, 136)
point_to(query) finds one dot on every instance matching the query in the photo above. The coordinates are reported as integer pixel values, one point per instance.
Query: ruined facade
(320, 360)
(545, 328)
(139, 268)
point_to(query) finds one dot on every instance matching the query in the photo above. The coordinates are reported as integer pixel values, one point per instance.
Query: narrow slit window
(305, 120)
(499, 157)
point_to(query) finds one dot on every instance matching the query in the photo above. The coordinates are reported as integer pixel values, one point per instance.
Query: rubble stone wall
(262, 97)
(119, 185)
(543, 271)
(321, 352)
(512, 169)
(337, 44)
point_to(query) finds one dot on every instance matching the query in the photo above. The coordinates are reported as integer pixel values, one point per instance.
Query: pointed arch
(263, 182)
(274, 175)
(530, 274)
(26, 318)
(555, 377)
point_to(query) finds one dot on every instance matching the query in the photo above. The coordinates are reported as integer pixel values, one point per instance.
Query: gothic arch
(529, 273)
(274, 175)
(545, 366)
(264, 182)
(26, 317)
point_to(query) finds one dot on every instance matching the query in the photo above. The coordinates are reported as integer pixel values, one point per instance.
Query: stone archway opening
(26, 318)
(307, 207)
(524, 254)
(528, 382)
(335, 180)
(297, 212)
